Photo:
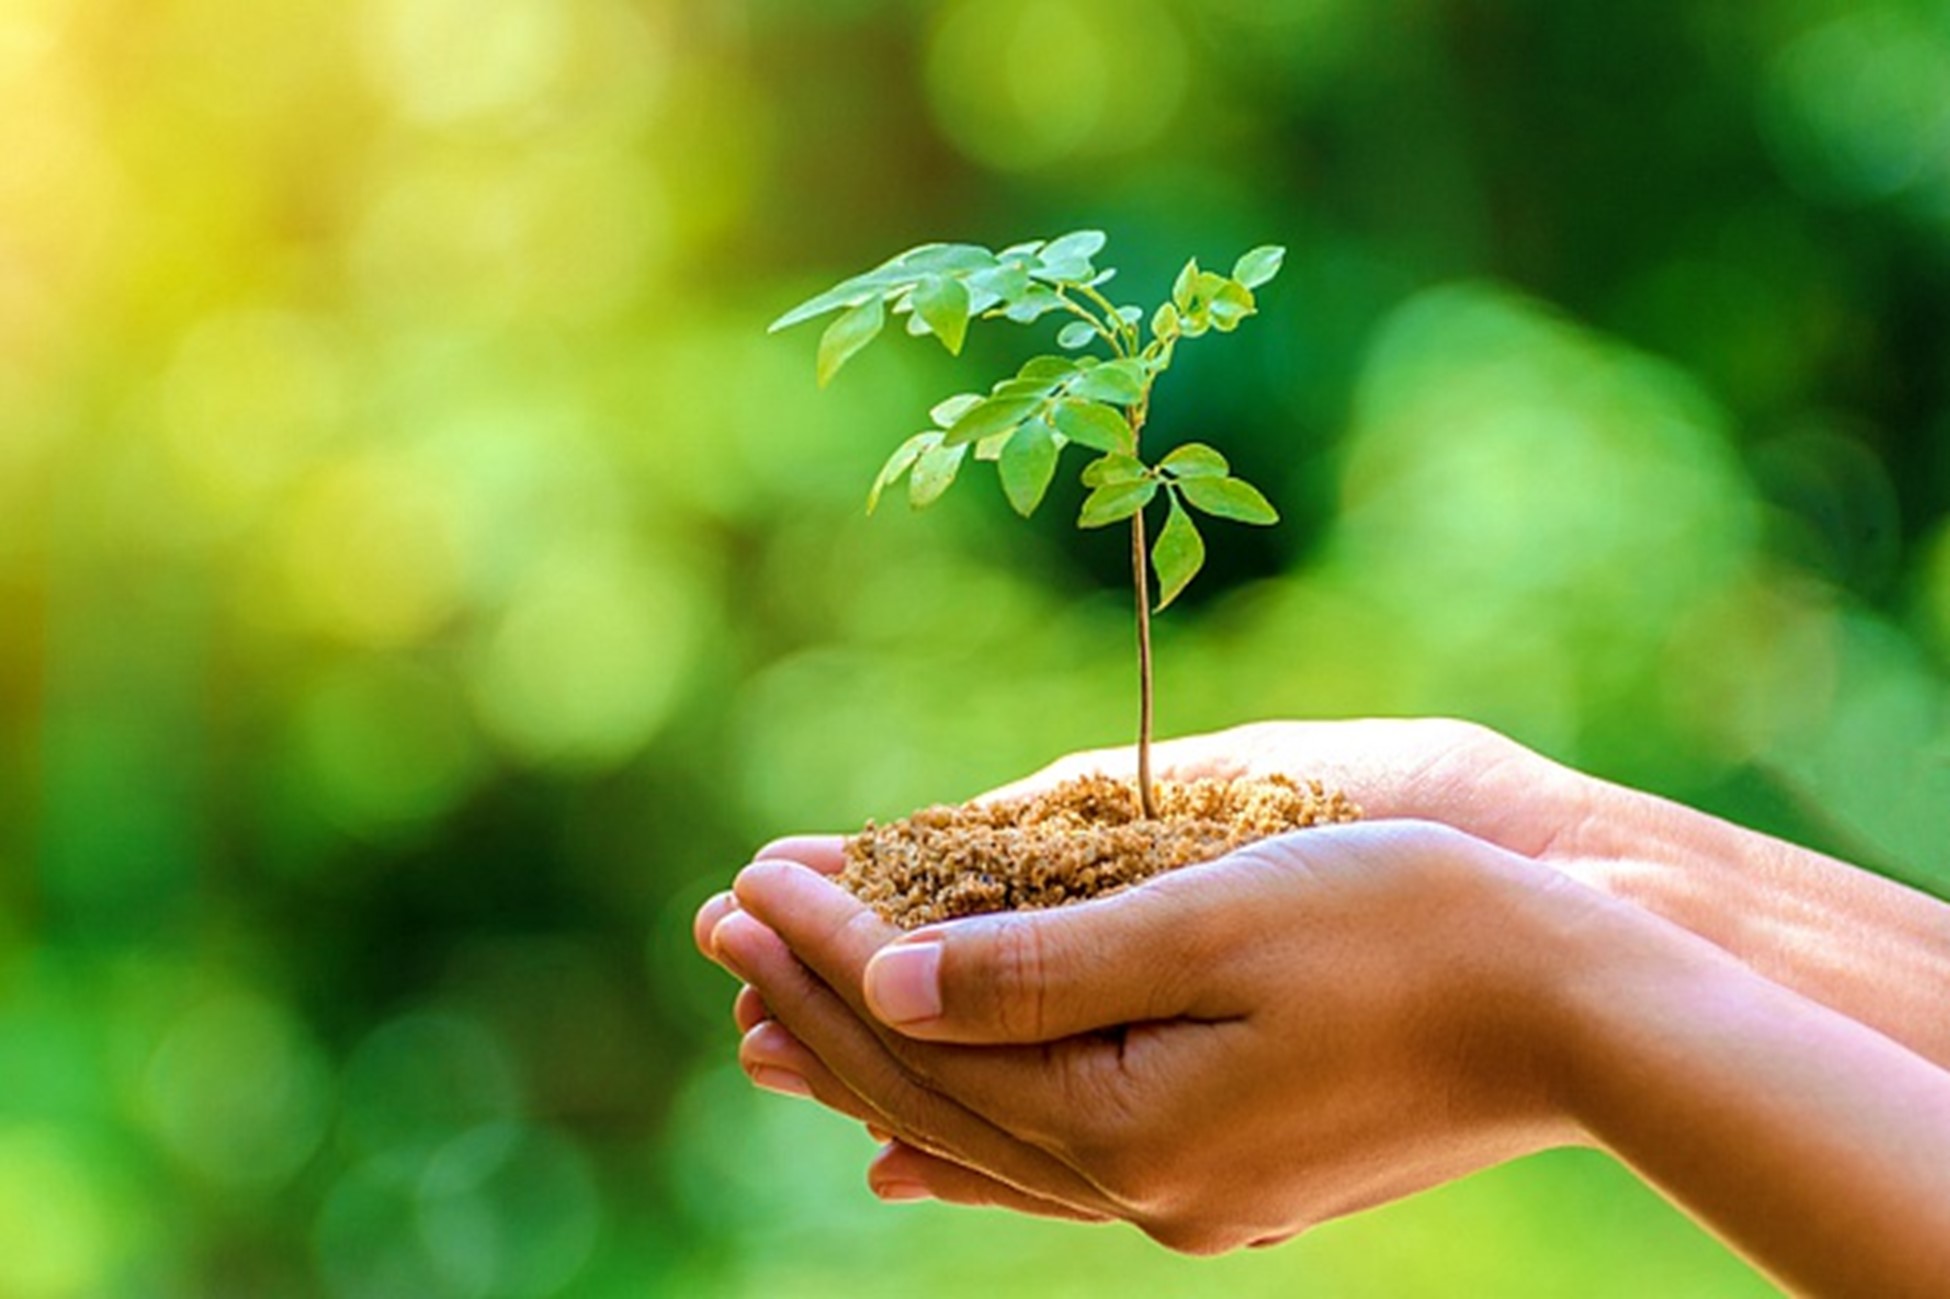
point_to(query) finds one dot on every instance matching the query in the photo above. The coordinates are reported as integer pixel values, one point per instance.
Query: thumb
(1149, 953)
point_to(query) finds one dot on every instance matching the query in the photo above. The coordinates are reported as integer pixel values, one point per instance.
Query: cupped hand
(1224, 1056)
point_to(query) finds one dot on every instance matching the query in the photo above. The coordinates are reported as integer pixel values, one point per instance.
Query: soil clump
(1080, 839)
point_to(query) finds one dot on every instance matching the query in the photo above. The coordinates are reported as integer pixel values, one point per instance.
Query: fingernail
(903, 982)
(879, 1133)
(901, 1192)
(783, 1081)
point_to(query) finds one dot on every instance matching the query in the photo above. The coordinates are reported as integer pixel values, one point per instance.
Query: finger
(902, 1173)
(1032, 1092)
(858, 1058)
(779, 1062)
(714, 908)
(749, 1010)
(825, 853)
(1150, 953)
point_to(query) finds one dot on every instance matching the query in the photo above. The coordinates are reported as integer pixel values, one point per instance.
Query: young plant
(1100, 402)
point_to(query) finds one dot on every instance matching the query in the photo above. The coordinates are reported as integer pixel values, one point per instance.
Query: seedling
(1100, 402)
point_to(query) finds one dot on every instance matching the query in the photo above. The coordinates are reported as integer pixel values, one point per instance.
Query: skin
(1335, 1019)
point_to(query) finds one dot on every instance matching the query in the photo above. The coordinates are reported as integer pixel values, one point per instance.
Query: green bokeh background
(422, 580)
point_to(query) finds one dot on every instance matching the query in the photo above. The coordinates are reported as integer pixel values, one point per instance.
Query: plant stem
(1147, 801)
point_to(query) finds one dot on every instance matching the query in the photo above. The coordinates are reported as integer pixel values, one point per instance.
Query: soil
(1081, 839)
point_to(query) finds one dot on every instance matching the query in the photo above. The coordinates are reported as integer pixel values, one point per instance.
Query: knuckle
(1019, 995)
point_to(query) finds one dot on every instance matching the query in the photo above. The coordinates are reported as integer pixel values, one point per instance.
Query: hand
(1850, 940)
(1319, 1023)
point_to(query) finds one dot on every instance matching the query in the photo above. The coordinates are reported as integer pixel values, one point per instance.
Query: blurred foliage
(422, 581)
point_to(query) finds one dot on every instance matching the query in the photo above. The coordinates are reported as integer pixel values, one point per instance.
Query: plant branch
(1128, 332)
(1147, 800)
(1111, 335)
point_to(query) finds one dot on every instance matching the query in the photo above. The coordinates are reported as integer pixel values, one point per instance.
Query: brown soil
(1078, 840)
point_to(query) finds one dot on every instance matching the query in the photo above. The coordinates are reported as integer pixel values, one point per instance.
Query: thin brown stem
(1147, 801)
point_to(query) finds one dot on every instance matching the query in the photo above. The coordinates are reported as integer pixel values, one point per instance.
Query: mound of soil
(1077, 840)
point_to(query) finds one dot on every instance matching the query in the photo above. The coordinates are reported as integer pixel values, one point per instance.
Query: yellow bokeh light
(445, 61)
(54, 1228)
(1020, 84)
(585, 661)
(251, 397)
(567, 233)
(372, 553)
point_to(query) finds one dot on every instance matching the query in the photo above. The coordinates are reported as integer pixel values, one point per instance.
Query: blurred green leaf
(899, 463)
(1259, 266)
(1096, 426)
(1116, 500)
(940, 258)
(1067, 260)
(1177, 555)
(1196, 460)
(949, 409)
(1185, 288)
(1028, 463)
(1076, 334)
(999, 284)
(846, 336)
(1113, 468)
(934, 471)
(1164, 322)
(1079, 245)
(1231, 304)
(989, 449)
(1035, 302)
(942, 301)
(1119, 382)
(991, 416)
(1229, 498)
(1048, 368)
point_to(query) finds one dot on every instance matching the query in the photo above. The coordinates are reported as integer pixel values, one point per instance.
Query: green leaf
(1229, 498)
(1035, 302)
(899, 463)
(1177, 555)
(850, 293)
(1129, 316)
(1119, 382)
(1000, 283)
(1113, 468)
(950, 409)
(1027, 248)
(1027, 465)
(1078, 246)
(1020, 387)
(1077, 333)
(1047, 367)
(847, 335)
(1258, 266)
(1164, 322)
(1114, 501)
(942, 301)
(1196, 460)
(990, 447)
(934, 470)
(989, 417)
(1096, 426)
(936, 259)
(1230, 305)
(1185, 286)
